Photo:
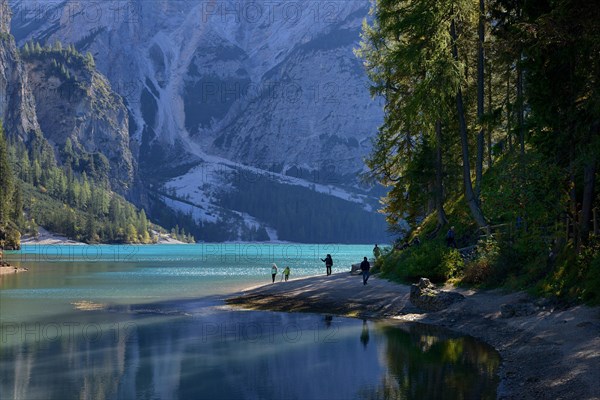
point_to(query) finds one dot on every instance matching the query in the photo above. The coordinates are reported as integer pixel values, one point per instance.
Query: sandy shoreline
(45, 237)
(551, 354)
(9, 269)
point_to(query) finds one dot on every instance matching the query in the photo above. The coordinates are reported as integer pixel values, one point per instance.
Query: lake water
(137, 322)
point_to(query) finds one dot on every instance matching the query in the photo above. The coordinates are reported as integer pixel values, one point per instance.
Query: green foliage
(591, 284)
(575, 276)
(525, 187)
(452, 263)
(89, 60)
(6, 180)
(10, 237)
(432, 260)
(67, 201)
(521, 262)
(11, 200)
(479, 270)
(68, 64)
(538, 84)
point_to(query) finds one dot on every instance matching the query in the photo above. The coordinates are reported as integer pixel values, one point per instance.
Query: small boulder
(427, 297)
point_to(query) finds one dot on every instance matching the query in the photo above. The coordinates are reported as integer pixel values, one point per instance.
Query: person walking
(286, 273)
(376, 251)
(328, 263)
(274, 271)
(365, 267)
(451, 238)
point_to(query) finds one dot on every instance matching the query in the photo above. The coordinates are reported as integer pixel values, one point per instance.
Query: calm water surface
(137, 322)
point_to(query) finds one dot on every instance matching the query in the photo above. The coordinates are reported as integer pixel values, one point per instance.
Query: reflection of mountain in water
(225, 354)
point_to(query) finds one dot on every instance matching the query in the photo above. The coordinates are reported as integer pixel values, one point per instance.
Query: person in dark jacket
(451, 238)
(365, 267)
(328, 263)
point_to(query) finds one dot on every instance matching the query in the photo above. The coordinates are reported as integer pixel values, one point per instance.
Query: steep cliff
(75, 103)
(17, 104)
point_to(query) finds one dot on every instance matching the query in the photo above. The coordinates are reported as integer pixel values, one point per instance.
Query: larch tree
(411, 55)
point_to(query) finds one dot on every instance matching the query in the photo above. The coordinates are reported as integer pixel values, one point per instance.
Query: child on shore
(286, 273)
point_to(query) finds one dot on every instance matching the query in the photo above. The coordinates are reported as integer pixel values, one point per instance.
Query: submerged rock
(427, 297)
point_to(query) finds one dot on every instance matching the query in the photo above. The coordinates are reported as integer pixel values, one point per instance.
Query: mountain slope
(223, 85)
(68, 147)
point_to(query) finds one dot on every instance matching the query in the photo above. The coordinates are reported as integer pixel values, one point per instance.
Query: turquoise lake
(148, 322)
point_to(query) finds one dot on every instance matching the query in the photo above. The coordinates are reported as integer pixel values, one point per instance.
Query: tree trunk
(589, 178)
(520, 106)
(439, 182)
(480, 104)
(508, 134)
(589, 181)
(574, 210)
(469, 194)
(489, 127)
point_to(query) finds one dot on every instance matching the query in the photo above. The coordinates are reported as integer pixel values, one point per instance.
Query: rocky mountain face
(221, 94)
(55, 94)
(74, 102)
(17, 104)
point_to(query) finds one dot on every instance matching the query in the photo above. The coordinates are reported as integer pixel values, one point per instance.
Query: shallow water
(154, 327)
(61, 275)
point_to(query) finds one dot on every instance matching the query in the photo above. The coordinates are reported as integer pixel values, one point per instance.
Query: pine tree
(36, 173)
(91, 229)
(143, 222)
(86, 191)
(25, 173)
(89, 58)
(67, 152)
(131, 234)
(17, 203)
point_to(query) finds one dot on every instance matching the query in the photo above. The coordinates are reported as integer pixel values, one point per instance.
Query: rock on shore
(427, 297)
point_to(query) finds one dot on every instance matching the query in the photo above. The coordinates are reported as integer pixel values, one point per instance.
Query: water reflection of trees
(426, 362)
(181, 357)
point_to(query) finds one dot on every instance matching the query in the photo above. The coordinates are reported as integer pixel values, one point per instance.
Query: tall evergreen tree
(6, 180)
(419, 75)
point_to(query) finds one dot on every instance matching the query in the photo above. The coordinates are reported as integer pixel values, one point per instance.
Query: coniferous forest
(492, 126)
(66, 189)
(40, 192)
